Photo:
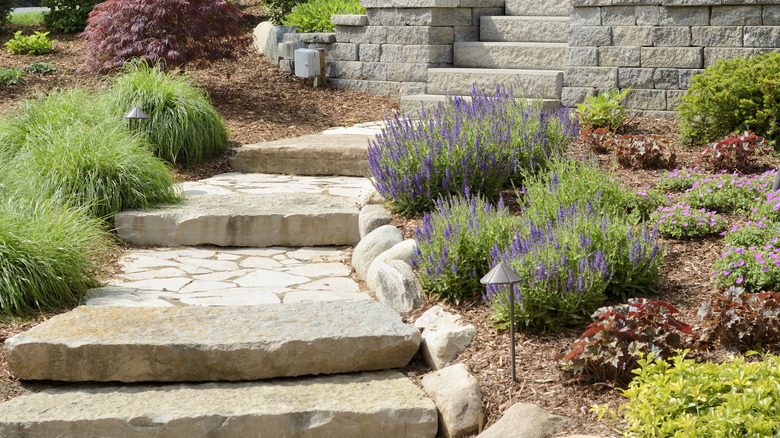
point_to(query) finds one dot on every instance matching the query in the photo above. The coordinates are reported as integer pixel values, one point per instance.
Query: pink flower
(726, 273)
(739, 280)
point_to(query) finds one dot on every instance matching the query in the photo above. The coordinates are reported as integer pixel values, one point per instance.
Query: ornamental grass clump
(50, 254)
(454, 244)
(482, 145)
(681, 221)
(183, 126)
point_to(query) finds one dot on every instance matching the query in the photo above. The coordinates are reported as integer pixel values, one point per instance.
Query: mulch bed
(259, 105)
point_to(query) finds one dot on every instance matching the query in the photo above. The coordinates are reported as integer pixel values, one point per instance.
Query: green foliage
(67, 146)
(37, 44)
(604, 110)
(278, 9)
(5, 10)
(754, 268)
(734, 151)
(679, 180)
(620, 335)
(49, 254)
(732, 96)
(314, 15)
(680, 221)
(727, 193)
(11, 76)
(67, 15)
(26, 18)
(746, 321)
(183, 126)
(454, 244)
(42, 68)
(685, 399)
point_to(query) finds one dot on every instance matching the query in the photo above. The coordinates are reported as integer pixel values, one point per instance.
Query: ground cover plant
(11, 76)
(36, 44)
(680, 221)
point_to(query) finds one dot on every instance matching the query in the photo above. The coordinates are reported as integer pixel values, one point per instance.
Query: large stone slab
(382, 404)
(331, 154)
(411, 105)
(459, 81)
(212, 343)
(538, 7)
(256, 220)
(524, 29)
(533, 56)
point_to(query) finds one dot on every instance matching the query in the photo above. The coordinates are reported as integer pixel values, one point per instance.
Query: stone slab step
(377, 405)
(459, 81)
(410, 105)
(538, 7)
(524, 29)
(320, 154)
(243, 219)
(531, 56)
(173, 344)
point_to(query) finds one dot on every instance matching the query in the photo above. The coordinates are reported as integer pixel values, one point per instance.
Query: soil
(259, 105)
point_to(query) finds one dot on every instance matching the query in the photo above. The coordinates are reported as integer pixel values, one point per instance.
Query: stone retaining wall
(656, 46)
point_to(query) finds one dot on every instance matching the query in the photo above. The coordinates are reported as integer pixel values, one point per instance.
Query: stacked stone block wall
(655, 47)
(389, 50)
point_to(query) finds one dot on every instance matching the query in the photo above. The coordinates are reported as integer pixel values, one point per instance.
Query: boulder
(443, 336)
(372, 217)
(525, 420)
(369, 195)
(373, 244)
(402, 251)
(456, 395)
(266, 38)
(397, 287)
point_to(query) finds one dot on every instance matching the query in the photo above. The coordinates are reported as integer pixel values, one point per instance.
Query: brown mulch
(259, 105)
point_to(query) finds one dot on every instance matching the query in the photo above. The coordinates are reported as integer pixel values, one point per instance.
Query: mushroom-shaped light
(503, 274)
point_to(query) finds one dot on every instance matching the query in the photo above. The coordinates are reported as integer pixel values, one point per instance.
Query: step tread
(212, 343)
(497, 71)
(469, 44)
(377, 404)
(525, 18)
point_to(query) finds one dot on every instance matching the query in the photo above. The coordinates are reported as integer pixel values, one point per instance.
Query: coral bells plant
(170, 32)
(620, 335)
(640, 152)
(743, 320)
(481, 145)
(680, 221)
(454, 244)
(733, 152)
(596, 138)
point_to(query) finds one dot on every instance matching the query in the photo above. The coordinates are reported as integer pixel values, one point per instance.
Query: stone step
(320, 154)
(459, 81)
(377, 405)
(245, 219)
(176, 344)
(532, 56)
(538, 7)
(410, 105)
(526, 29)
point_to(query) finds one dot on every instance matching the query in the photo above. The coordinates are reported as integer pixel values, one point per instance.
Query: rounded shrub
(67, 15)
(314, 15)
(732, 96)
(183, 127)
(5, 10)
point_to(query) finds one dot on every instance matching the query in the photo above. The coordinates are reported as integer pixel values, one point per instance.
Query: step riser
(376, 405)
(560, 8)
(451, 81)
(177, 344)
(410, 105)
(521, 29)
(245, 220)
(510, 55)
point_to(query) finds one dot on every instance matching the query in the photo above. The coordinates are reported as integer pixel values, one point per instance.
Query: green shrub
(314, 15)
(454, 244)
(604, 110)
(11, 76)
(680, 221)
(37, 44)
(183, 126)
(685, 399)
(49, 254)
(85, 157)
(278, 9)
(26, 18)
(5, 10)
(41, 68)
(732, 96)
(67, 15)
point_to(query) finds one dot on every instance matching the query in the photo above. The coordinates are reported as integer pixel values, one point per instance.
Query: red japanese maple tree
(170, 32)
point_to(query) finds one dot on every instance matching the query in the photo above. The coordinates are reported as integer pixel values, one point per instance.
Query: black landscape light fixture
(503, 274)
(135, 114)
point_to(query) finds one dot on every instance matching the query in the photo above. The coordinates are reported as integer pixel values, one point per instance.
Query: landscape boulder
(397, 287)
(373, 244)
(525, 420)
(369, 195)
(266, 38)
(372, 217)
(443, 336)
(457, 397)
(402, 251)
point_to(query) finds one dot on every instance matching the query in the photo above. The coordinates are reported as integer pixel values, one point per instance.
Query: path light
(503, 274)
(776, 185)
(135, 114)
